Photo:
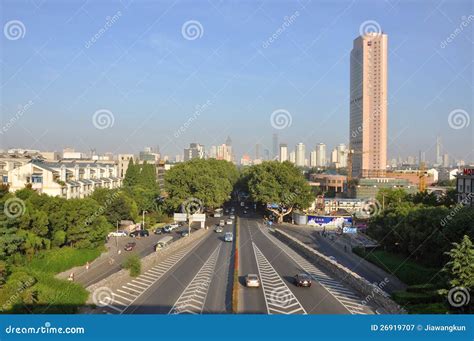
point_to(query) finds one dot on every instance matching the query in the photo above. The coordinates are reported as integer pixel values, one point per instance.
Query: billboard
(349, 230)
(180, 217)
(329, 221)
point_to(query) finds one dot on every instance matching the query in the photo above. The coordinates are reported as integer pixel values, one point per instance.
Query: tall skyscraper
(368, 105)
(275, 147)
(292, 157)
(257, 151)
(195, 151)
(439, 156)
(283, 152)
(300, 154)
(342, 155)
(321, 155)
(421, 157)
(313, 159)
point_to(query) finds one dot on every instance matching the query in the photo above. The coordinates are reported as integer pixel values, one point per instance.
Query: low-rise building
(329, 182)
(66, 179)
(465, 186)
(369, 187)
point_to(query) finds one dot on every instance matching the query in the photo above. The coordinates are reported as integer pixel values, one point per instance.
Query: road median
(235, 285)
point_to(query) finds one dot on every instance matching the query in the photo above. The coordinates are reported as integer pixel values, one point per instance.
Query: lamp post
(143, 219)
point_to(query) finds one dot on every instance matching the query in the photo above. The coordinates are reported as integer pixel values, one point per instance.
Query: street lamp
(143, 219)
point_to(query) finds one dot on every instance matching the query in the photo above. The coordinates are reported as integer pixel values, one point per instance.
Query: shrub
(133, 264)
(404, 297)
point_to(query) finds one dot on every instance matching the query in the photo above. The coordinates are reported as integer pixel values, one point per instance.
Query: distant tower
(275, 146)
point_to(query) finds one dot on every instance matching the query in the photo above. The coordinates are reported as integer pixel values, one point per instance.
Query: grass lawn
(59, 260)
(407, 271)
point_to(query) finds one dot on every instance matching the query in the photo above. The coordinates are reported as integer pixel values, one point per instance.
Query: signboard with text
(180, 217)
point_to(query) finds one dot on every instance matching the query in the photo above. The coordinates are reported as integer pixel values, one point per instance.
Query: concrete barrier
(121, 277)
(370, 292)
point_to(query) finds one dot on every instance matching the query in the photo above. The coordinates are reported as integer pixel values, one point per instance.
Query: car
(222, 222)
(184, 233)
(218, 229)
(130, 246)
(334, 259)
(302, 280)
(170, 227)
(232, 216)
(252, 281)
(174, 225)
(139, 233)
(117, 234)
(158, 230)
(229, 222)
(228, 237)
(246, 207)
(245, 212)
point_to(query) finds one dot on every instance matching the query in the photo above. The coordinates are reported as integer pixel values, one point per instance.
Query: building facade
(368, 105)
(283, 152)
(465, 186)
(65, 179)
(300, 155)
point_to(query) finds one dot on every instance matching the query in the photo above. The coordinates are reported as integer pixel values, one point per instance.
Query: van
(163, 242)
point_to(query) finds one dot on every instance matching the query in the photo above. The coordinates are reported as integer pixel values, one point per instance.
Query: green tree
(460, 268)
(389, 196)
(133, 264)
(280, 184)
(147, 177)
(132, 174)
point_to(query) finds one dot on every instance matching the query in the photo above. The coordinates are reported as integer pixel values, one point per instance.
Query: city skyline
(66, 97)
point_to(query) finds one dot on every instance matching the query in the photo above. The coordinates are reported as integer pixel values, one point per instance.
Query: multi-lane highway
(198, 279)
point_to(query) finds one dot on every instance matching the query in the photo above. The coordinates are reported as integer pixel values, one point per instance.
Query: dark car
(139, 233)
(184, 233)
(302, 280)
(130, 246)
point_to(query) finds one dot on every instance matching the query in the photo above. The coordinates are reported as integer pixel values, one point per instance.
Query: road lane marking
(279, 299)
(193, 297)
(334, 287)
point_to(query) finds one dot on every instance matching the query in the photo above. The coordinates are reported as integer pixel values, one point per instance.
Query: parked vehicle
(245, 212)
(302, 280)
(163, 242)
(117, 234)
(252, 281)
(139, 233)
(229, 222)
(228, 237)
(184, 233)
(170, 227)
(158, 230)
(232, 216)
(222, 222)
(130, 246)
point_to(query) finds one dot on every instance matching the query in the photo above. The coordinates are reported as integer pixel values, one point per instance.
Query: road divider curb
(235, 285)
(352, 279)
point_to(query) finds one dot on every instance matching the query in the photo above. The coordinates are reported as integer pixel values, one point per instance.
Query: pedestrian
(87, 266)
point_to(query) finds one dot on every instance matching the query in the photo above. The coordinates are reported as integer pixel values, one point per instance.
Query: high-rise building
(368, 105)
(257, 151)
(292, 158)
(283, 152)
(446, 160)
(421, 157)
(321, 155)
(439, 157)
(195, 151)
(275, 147)
(300, 154)
(313, 159)
(342, 155)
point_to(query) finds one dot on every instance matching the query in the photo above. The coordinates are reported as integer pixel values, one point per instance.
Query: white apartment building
(283, 152)
(64, 179)
(123, 161)
(300, 155)
(321, 155)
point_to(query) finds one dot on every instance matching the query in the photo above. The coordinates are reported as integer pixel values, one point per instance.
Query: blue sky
(151, 78)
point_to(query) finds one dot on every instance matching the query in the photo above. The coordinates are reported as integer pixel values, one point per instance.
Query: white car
(252, 281)
(229, 222)
(218, 229)
(228, 237)
(117, 234)
(232, 216)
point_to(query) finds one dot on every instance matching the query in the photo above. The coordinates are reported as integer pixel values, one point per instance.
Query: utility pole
(116, 235)
(143, 219)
